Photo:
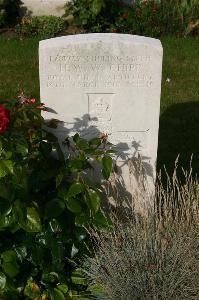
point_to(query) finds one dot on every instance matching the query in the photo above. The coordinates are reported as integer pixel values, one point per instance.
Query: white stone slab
(48, 7)
(44, 7)
(107, 83)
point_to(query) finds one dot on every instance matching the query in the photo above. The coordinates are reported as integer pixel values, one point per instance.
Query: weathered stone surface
(48, 7)
(44, 7)
(107, 83)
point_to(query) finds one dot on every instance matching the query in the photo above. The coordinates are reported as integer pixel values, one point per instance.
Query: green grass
(19, 67)
(179, 119)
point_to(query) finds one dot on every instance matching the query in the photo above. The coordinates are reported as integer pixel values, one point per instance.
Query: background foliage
(93, 15)
(9, 12)
(149, 17)
(44, 26)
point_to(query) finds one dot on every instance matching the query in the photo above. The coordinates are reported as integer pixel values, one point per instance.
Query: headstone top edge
(97, 37)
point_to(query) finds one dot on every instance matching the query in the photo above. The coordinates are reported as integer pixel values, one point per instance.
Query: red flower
(30, 101)
(125, 16)
(4, 119)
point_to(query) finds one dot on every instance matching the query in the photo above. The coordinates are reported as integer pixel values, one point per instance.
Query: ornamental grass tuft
(155, 256)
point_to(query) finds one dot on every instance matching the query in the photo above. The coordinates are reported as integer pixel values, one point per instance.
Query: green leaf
(95, 142)
(63, 288)
(81, 220)
(74, 205)
(10, 265)
(54, 208)
(75, 189)
(5, 208)
(8, 154)
(111, 151)
(101, 220)
(2, 281)
(57, 251)
(11, 269)
(107, 166)
(96, 7)
(97, 290)
(6, 167)
(21, 253)
(33, 220)
(4, 190)
(20, 212)
(9, 256)
(22, 149)
(93, 201)
(12, 102)
(78, 277)
(82, 144)
(59, 179)
(57, 294)
(78, 165)
(6, 221)
(76, 137)
(50, 277)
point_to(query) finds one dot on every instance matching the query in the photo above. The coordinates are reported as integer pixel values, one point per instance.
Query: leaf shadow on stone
(138, 165)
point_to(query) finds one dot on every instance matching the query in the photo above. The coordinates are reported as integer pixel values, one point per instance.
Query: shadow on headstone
(115, 193)
(179, 135)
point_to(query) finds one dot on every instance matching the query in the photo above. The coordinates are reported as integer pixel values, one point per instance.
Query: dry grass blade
(155, 256)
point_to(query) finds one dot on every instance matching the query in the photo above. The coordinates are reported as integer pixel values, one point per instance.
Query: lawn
(179, 119)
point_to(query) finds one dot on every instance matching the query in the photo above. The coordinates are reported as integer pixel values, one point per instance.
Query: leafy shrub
(93, 15)
(143, 19)
(46, 205)
(2, 17)
(148, 17)
(154, 256)
(9, 12)
(43, 26)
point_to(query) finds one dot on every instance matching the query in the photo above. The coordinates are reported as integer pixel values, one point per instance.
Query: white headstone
(108, 83)
(48, 7)
(44, 7)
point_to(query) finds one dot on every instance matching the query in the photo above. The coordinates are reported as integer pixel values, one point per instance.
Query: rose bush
(46, 205)
(4, 119)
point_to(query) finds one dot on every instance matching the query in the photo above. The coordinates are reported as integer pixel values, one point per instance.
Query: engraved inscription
(97, 80)
(99, 58)
(93, 71)
(100, 111)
